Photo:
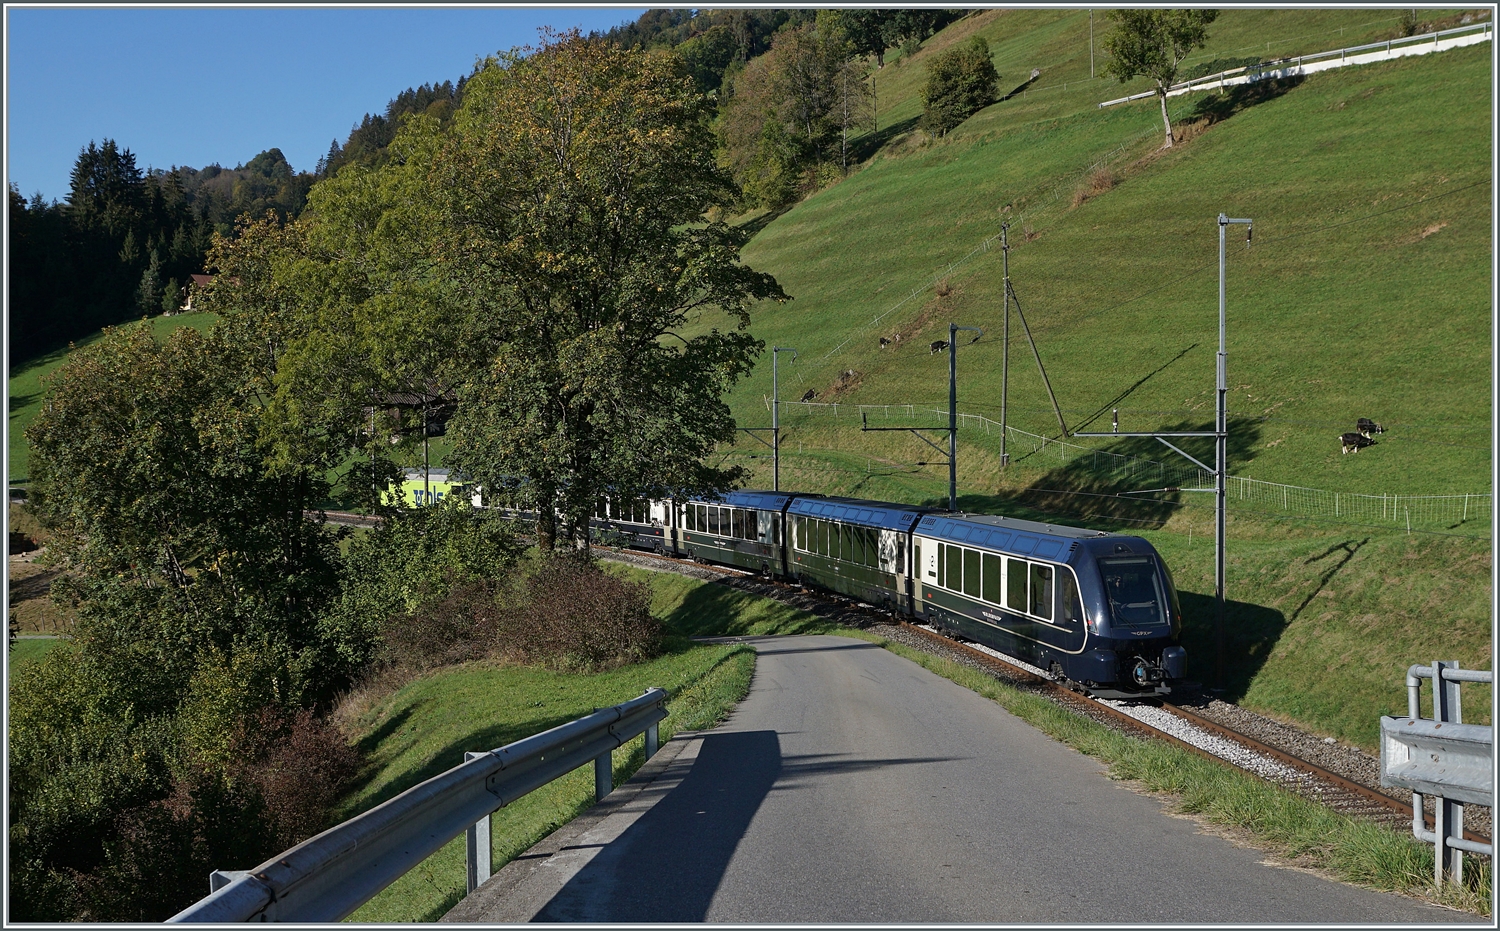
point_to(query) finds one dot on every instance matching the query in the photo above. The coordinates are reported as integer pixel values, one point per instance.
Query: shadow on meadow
(1101, 488)
(1222, 105)
(718, 611)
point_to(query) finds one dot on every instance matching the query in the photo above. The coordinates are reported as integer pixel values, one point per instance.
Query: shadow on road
(668, 865)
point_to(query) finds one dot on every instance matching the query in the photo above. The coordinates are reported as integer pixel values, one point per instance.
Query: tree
(960, 82)
(573, 187)
(1152, 44)
(789, 110)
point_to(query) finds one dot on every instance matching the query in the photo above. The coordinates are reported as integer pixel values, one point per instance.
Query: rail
(325, 878)
(1442, 757)
(1298, 64)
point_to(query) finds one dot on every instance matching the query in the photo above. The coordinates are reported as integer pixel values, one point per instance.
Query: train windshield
(1137, 597)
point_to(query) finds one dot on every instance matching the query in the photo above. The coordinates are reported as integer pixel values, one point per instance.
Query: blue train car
(1098, 608)
(743, 528)
(854, 547)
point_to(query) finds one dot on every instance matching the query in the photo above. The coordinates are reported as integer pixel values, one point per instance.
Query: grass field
(1370, 188)
(29, 651)
(1366, 293)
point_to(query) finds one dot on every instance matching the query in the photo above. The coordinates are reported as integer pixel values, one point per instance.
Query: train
(1097, 610)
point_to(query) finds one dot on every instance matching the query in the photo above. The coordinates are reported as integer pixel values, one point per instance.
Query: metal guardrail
(1442, 757)
(325, 878)
(1249, 73)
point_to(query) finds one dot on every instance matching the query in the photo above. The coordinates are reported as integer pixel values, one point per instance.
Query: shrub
(415, 558)
(573, 615)
(960, 82)
(458, 627)
(299, 766)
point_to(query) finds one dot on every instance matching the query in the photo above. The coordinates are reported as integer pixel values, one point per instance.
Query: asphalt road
(854, 786)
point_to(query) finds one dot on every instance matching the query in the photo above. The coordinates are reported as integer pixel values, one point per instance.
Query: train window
(1041, 591)
(1069, 605)
(737, 523)
(1136, 598)
(853, 550)
(954, 557)
(971, 573)
(835, 541)
(872, 546)
(775, 521)
(599, 508)
(823, 528)
(991, 591)
(1015, 584)
(714, 522)
(942, 565)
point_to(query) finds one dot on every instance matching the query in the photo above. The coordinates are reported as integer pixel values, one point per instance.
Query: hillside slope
(1365, 293)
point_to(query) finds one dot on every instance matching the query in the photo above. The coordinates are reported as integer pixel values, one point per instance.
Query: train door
(924, 569)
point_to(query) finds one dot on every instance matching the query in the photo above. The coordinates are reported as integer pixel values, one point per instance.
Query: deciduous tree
(1152, 44)
(960, 82)
(574, 186)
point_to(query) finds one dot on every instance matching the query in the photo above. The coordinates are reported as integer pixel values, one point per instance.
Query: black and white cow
(938, 345)
(810, 395)
(1368, 427)
(1355, 442)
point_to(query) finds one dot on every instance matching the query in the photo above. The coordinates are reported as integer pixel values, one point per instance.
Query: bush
(573, 615)
(416, 558)
(960, 82)
(460, 626)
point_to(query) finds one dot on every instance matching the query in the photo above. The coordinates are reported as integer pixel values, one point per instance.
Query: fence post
(477, 843)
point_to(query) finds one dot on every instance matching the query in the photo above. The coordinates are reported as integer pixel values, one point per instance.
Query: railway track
(1169, 721)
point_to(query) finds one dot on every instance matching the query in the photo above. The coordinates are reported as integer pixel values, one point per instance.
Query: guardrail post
(477, 843)
(1448, 817)
(603, 775)
(652, 740)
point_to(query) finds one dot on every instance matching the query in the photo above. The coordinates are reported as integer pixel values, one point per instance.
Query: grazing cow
(938, 345)
(810, 395)
(1355, 441)
(1369, 428)
(884, 342)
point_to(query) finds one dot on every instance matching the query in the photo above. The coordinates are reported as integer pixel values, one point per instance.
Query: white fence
(1322, 61)
(1410, 511)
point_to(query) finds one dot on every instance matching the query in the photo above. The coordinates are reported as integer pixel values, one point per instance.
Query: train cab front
(1136, 655)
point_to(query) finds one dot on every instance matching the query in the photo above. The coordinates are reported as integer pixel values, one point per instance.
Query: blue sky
(193, 86)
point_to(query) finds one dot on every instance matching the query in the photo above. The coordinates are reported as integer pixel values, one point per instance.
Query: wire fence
(1397, 510)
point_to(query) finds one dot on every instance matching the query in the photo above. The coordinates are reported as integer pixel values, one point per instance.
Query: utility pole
(952, 450)
(953, 329)
(1220, 468)
(776, 417)
(1005, 349)
(1222, 455)
(1091, 43)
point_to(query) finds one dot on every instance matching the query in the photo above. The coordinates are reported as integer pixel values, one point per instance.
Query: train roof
(858, 511)
(1011, 534)
(762, 500)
